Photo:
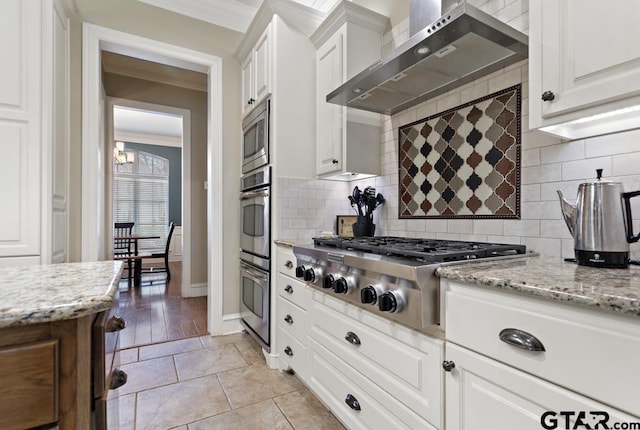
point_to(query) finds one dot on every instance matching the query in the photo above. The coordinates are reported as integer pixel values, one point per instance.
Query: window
(141, 195)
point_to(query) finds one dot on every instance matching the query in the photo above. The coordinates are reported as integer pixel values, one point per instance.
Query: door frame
(187, 289)
(95, 155)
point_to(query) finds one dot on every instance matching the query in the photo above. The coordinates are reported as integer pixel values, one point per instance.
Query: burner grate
(427, 250)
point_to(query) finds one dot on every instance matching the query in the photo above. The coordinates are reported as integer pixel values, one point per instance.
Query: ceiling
(233, 14)
(143, 126)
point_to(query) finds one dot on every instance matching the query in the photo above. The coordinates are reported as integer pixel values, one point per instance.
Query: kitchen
(303, 207)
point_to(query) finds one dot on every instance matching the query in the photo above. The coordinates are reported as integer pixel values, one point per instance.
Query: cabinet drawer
(292, 290)
(291, 319)
(292, 353)
(337, 385)
(286, 261)
(585, 351)
(410, 372)
(29, 384)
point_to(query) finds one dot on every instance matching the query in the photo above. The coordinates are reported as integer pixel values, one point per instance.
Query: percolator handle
(631, 238)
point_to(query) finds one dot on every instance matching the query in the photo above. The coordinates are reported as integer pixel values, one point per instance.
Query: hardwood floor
(155, 311)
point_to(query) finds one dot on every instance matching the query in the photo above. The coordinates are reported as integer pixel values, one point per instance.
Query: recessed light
(422, 50)
(357, 90)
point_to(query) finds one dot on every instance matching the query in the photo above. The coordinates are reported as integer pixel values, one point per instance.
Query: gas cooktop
(422, 250)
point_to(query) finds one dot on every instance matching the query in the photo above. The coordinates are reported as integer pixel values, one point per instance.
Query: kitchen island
(48, 347)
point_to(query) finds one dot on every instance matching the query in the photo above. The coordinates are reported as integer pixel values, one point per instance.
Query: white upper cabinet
(347, 140)
(256, 73)
(584, 68)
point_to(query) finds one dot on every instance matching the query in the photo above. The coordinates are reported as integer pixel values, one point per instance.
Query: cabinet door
(582, 58)
(262, 69)
(330, 69)
(20, 127)
(247, 84)
(483, 394)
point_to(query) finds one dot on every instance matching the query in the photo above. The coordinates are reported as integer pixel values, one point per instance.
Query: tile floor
(214, 383)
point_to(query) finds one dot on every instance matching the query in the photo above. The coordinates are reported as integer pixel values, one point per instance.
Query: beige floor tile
(127, 409)
(255, 383)
(250, 351)
(148, 374)
(169, 348)
(305, 412)
(208, 361)
(128, 356)
(178, 404)
(208, 341)
(264, 415)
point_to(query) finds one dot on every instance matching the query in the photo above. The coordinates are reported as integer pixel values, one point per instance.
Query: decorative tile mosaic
(464, 162)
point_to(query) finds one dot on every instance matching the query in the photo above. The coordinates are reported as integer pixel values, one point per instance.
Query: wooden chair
(159, 254)
(122, 246)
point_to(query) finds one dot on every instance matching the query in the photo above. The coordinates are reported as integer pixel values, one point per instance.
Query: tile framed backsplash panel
(463, 162)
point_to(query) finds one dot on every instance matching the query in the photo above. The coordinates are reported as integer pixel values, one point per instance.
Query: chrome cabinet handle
(352, 338)
(118, 379)
(521, 339)
(288, 264)
(352, 402)
(288, 351)
(289, 289)
(116, 323)
(288, 319)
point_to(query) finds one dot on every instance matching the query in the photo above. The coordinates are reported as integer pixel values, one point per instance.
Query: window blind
(141, 195)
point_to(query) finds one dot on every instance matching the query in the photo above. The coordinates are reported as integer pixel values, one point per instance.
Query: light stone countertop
(615, 290)
(292, 242)
(52, 292)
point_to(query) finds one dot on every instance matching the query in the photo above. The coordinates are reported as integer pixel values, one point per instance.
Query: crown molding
(348, 12)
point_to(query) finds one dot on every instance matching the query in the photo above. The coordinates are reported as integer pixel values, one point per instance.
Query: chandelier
(120, 156)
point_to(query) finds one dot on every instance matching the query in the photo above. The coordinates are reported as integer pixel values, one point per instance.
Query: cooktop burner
(427, 250)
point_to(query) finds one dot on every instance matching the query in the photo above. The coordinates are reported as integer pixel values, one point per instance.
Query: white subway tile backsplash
(448, 102)
(512, 240)
(488, 226)
(523, 227)
(627, 164)
(541, 174)
(544, 246)
(562, 152)
(549, 192)
(530, 192)
(505, 80)
(460, 226)
(474, 91)
(531, 157)
(554, 228)
(612, 144)
(585, 169)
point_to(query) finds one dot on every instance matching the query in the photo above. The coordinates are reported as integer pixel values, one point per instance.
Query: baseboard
(271, 359)
(231, 324)
(196, 290)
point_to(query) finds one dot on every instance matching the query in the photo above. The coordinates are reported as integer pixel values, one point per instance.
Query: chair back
(171, 227)
(120, 230)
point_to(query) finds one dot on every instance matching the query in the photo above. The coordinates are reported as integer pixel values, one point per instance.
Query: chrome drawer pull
(288, 319)
(288, 351)
(288, 264)
(352, 338)
(116, 323)
(352, 402)
(289, 289)
(118, 379)
(521, 339)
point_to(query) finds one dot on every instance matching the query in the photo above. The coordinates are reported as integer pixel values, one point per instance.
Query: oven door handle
(253, 194)
(255, 275)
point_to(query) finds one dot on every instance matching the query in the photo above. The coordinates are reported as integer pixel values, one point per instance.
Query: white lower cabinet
(516, 362)
(484, 394)
(394, 373)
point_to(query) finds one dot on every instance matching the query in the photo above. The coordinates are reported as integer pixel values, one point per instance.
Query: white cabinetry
(291, 315)
(373, 373)
(583, 352)
(347, 140)
(256, 73)
(585, 66)
(33, 126)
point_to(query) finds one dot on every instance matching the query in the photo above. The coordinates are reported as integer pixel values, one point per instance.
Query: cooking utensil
(601, 229)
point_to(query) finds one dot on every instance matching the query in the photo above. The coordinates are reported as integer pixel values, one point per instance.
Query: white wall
(548, 164)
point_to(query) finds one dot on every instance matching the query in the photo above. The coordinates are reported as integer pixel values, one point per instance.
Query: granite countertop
(52, 292)
(291, 242)
(552, 278)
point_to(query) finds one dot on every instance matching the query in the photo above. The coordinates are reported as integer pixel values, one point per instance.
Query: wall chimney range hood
(451, 43)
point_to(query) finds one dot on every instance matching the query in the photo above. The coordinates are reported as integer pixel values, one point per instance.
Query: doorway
(95, 150)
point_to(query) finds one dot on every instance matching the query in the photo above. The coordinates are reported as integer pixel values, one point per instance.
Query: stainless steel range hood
(456, 43)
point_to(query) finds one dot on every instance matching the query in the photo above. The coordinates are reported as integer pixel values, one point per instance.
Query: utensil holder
(363, 227)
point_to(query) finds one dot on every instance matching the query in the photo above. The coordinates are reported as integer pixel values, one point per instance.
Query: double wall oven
(255, 226)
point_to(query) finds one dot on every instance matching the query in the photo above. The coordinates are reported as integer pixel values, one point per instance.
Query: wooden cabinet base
(46, 375)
